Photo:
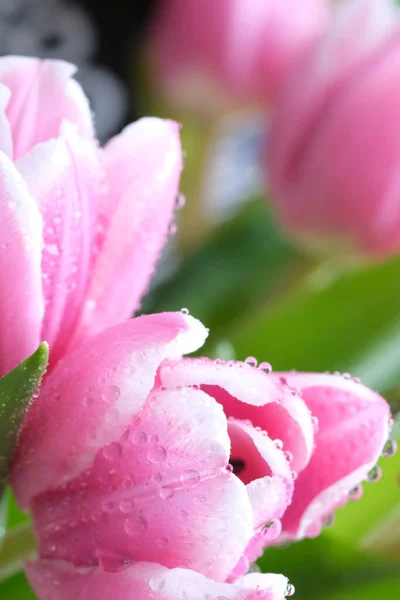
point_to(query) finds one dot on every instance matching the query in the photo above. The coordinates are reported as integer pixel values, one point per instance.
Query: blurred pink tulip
(208, 54)
(81, 227)
(132, 454)
(333, 154)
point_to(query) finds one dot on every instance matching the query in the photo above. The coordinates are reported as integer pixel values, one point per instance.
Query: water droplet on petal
(139, 437)
(356, 492)
(290, 590)
(278, 444)
(126, 506)
(390, 448)
(167, 492)
(190, 476)
(265, 366)
(374, 474)
(329, 521)
(156, 454)
(184, 311)
(112, 451)
(251, 361)
(135, 524)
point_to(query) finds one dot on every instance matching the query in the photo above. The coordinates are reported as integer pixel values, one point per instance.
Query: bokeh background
(229, 263)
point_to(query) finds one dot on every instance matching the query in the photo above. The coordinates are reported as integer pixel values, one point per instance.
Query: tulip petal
(42, 95)
(249, 385)
(250, 394)
(111, 374)
(58, 580)
(353, 426)
(64, 176)
(161, 493)
(21, 298)
(143, 166)
(5, 130)
(265, 471)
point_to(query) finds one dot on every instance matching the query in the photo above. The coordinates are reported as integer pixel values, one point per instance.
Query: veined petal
(21, 298)
(143, 166)
(64, 176)
(42, 95)
(353, 426)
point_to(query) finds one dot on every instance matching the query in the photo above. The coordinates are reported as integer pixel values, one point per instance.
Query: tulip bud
(333, 152)
(208, 55)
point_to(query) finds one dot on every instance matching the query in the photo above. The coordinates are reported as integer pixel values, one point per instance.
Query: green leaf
(16, 588)
(16, 391)
(351, 324)
(328, 568)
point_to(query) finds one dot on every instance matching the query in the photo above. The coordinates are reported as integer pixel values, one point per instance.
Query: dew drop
(265, 366)
(315, 424)
(166, 492)
(156, 454)
(135, 524)
(329, 521)
(126, 506)
(190, 476)
(184, 311)
(390, 448)
(251, 361)
(356, 492)
(290, 590)
(374, 474)
(162, 542)
(139, 437)
(180, 201)
(112, 451)
(278, 444)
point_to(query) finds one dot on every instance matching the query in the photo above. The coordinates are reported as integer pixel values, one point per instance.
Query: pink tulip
(208, 54)
(132, 454)
(333, 153)
(81, 227)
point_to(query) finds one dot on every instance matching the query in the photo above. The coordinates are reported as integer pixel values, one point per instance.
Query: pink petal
(42, 95)
(250, 394)
(64, 176)
(266, 471)
(21, 299)
(353, 426)
(58, 580)
(89, 398)
(161, 492)
(249, 385)
(5, 131)
(143, 166)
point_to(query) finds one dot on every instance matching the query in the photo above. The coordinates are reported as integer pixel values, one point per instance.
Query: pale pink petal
(161, 492)
(5, 130)
(89, 398)
(240, 380)
(143, 167)
(58, 580)
(265, 470)
(353, 426)
(251, 394)
(64, 176)
(21, 298)
(42, 95)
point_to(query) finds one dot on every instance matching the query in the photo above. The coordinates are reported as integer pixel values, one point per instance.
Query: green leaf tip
(17, 389)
